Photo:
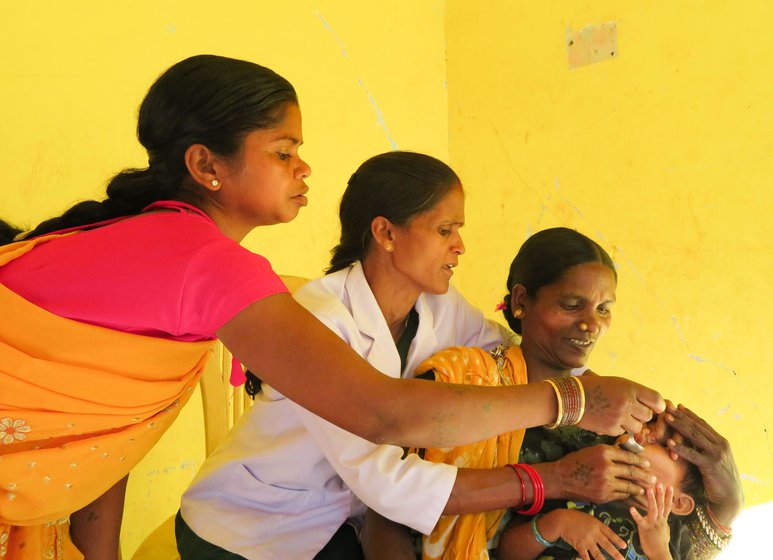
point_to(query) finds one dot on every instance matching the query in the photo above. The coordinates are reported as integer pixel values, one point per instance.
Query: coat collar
(370, 321)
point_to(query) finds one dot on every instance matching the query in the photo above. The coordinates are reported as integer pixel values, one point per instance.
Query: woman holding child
(561, 290)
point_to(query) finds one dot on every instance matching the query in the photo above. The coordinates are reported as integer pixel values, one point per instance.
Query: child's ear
(683, 503)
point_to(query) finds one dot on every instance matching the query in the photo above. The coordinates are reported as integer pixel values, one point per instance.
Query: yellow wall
(74, 73)
(659, 153)
(663, 154)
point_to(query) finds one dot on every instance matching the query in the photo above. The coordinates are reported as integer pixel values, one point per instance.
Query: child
(615, 530)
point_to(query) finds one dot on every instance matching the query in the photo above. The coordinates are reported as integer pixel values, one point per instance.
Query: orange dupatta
(80, 405)
(464, 537)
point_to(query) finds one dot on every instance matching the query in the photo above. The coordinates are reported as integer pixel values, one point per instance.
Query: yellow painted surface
(662, 154)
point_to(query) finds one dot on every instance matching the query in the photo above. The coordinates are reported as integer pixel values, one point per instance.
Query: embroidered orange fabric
(80, 405)
(464, 537)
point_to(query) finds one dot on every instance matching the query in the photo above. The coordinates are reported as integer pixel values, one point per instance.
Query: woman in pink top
(160, 256)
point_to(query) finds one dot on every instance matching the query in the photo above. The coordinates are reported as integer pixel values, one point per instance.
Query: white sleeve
(410, 491)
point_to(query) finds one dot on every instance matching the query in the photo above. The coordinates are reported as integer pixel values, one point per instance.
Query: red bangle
(539, 490)
(523, 486)
(716, 522)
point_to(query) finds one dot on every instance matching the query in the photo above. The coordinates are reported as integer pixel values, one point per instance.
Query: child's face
(670, 473)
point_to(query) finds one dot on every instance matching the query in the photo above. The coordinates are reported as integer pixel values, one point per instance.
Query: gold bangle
(581, 412)
(570, 395)
(559, 405)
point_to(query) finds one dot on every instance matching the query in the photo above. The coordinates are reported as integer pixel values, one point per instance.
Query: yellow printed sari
(80, 405)
(464, 537)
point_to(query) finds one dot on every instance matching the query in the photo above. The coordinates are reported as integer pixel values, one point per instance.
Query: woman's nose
(303, 170)
(458, 247)
(589, 325)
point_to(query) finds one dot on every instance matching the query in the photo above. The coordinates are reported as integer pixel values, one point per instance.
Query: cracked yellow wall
(662, 153)
(74, 73)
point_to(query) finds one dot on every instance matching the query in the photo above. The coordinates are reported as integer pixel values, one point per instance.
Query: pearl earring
(389, 246)
(215, 183)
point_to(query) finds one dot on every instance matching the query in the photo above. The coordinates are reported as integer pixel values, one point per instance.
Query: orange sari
(464, 537)
(80, 405)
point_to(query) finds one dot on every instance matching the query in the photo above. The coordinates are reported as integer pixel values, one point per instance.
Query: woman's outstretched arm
(296, 354)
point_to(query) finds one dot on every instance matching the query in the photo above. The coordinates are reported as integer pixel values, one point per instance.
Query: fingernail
(669, 418)
(654, 479)
(645, 464)
(671, 443)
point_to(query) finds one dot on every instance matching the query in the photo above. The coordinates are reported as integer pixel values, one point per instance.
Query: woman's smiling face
(563, 320)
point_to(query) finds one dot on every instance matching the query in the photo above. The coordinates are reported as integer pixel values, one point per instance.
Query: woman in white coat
(288, 484)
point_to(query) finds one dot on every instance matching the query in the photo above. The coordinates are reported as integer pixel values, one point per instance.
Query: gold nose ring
(583, 327)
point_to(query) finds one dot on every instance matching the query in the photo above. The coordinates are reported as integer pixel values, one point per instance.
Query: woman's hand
(586, 534)
(702, 446)
(614, 405)
(654, 532)
(598, 474)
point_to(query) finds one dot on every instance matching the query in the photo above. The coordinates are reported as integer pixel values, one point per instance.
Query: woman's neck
(394, 298)
(537, 369)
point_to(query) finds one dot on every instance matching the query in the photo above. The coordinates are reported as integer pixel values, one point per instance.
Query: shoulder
(327, 299)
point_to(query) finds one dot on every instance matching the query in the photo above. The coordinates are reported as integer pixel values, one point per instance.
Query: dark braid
(8, 232)
(253, 385)
(205, 99)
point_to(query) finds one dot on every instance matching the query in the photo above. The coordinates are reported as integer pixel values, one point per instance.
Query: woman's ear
(683, 503)
(200, 162)
(518, 300)
(382, 231)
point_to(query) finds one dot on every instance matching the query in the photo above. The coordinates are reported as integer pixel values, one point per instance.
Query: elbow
(382, 430)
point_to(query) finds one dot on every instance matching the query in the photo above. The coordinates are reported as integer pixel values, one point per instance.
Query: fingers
(668, 502)
(613, 538)
(652, 503)
(691, 426)
(610, 550)
(651, 399)
(640, 499)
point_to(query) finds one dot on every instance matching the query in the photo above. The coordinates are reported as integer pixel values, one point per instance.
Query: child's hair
(395, 185)
(544, 258)
(205, 99)
(692, 484)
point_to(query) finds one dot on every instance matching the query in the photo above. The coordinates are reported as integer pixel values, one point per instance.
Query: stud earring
(518, 313)
(583, 327)
(389, 246)
(215, 183)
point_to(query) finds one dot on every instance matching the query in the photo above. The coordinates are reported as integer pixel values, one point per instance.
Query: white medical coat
(285, 480)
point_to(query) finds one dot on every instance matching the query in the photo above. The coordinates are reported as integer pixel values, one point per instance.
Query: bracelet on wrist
(570, 399)
(540, 539)
(707, 530)
(523, 486)
(728, 531)
(537, 485)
